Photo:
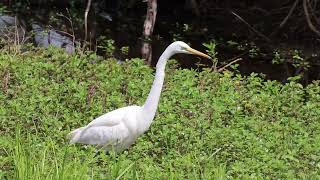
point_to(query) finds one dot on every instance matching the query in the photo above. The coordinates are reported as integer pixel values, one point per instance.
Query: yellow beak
(195, 52)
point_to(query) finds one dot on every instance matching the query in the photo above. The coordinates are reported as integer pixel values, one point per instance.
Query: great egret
(118, 129)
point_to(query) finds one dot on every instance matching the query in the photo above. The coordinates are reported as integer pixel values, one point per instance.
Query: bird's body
(118, 129)
(115, 130)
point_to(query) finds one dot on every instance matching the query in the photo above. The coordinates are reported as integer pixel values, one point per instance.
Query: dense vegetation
(277, 38)
(208, 126)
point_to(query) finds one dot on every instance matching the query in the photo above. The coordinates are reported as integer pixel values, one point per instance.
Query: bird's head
(181, 47)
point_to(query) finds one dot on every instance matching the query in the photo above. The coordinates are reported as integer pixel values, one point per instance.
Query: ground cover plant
(208, 126)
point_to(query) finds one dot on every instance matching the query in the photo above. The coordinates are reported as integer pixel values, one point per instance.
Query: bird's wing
(109, 119)
(104, 135)
(108, 129)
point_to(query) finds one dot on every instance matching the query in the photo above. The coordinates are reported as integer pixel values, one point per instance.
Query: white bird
(118, 129)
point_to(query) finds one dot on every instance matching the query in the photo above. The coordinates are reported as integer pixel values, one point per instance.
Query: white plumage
(118, 129)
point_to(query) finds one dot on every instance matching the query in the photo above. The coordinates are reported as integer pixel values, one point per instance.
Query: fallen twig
(71, 24)
(232, 60)
(310, 24)
(254, 30)
(285, 20)
(313, 14)
(229, 64)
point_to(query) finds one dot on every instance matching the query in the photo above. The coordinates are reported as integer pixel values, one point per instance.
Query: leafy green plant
(208, 126)
(277, 59)
(3, 9)
(254, 51)
(211, 50)
(232, 43)
(125, 50)
(299, 61)
(107, 45)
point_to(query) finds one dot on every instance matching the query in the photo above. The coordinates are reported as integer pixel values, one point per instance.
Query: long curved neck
(150, 106)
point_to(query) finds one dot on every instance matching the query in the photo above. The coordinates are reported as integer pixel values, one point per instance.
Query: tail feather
(74, 135)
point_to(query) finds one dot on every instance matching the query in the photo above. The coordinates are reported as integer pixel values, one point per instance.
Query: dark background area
(248, 29)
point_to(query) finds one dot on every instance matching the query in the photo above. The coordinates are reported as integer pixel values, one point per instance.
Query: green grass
(208, 125)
